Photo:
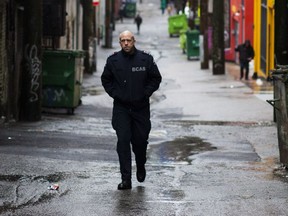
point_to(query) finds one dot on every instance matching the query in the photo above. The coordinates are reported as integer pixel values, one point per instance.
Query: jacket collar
(129, 54)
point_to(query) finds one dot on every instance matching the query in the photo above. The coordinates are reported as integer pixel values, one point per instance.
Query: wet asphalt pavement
(213, 146)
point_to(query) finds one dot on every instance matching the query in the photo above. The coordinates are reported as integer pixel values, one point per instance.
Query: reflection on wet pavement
(260, 86)
(178, 150)
(132, 203)
(172, 195)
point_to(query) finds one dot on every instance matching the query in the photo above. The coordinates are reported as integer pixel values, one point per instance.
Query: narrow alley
(213, 148)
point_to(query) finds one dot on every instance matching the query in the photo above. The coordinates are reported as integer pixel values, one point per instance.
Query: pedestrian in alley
(122, 12)
(138, 21)
(246, 54)
(130, 77)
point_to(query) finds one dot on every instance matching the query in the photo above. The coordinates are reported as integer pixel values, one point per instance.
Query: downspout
(77, 24)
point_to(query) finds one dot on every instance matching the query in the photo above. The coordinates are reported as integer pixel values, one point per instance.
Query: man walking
(130, 77)
(138, 21)
(246, 54)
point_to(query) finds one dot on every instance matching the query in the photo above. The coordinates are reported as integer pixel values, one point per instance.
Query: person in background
(246, 54)
(122, 12)
(138, 21)
(169, 9)
(130, 77)
(163, 6)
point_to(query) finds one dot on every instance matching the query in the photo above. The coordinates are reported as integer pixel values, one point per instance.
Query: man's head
(127, 41)
(247, 43)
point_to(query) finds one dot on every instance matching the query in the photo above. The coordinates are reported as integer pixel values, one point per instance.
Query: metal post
(218, 38)
(281, 32)
(32, 71)
(204, 56)
(108, 26)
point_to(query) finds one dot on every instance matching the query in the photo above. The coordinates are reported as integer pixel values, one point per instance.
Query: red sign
(96, 2)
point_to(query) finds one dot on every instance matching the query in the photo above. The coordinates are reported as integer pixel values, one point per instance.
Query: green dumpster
(62, 79)
(192, 44)
(130, 9)
(177, 23)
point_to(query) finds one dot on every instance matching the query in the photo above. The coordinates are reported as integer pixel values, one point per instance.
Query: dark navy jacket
(245, 52)
(130, 79)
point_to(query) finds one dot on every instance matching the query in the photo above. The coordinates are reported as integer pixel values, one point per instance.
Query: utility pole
(108, 24)
(4, 78)
(31, 98)
(87, 33)
(113, 15)
(218, 38)
(204, 52)
(281, 32)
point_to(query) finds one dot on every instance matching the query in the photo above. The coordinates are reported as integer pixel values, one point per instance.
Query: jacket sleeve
(154, 79)
(252, 54)
(107, 79)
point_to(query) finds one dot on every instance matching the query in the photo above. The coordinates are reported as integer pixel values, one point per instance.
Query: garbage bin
(192, 44)
(280, 104)
(130, 9)
(62, 79)
(177, 23)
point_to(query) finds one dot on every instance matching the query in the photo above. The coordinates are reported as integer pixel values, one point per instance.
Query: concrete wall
(74, 26)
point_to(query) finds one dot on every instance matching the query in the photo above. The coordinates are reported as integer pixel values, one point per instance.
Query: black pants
(132, 128)
(244, 65)
(138, 27)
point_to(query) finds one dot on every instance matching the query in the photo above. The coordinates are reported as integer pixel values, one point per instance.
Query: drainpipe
(77, 23)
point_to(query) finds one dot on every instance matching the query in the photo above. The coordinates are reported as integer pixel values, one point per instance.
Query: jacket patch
(136, 69)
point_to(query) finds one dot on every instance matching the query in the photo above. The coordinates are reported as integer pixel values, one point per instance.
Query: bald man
(130, 77)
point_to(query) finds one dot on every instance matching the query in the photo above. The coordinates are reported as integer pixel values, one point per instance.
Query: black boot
(124, 185)
(141, 173)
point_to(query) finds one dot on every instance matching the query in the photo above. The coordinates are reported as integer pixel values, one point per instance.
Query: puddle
(91, 92)
(172, 195)
(178, 150)
(57, 177)
(10, 178)
(187, 123)
(232, 87)
(259, 86)
(21, 191)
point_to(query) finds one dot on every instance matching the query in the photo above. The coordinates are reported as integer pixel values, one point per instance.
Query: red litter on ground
(53, 187)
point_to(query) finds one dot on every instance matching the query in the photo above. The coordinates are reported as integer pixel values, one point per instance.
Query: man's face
(127, 42)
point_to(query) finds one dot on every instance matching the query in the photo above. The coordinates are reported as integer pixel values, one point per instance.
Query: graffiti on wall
(54, 95)
(33, 65)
